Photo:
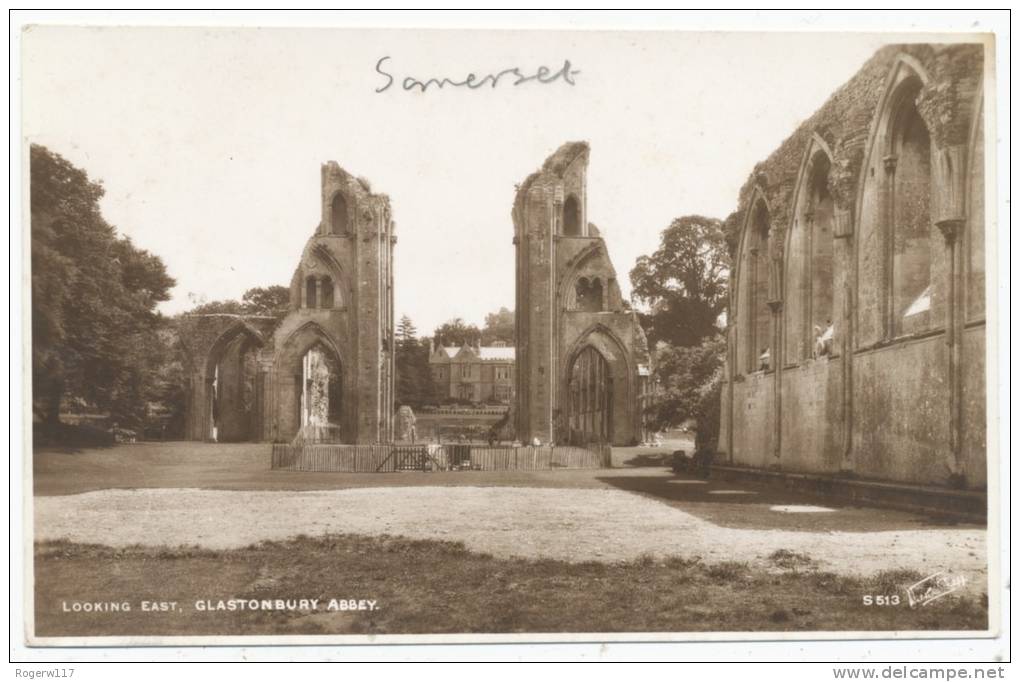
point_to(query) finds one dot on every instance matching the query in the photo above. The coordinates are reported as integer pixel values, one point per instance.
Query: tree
(407, 333)
(271, 301)
(499, 326)
(683, 289)
(687, 385)
(683, 285)
(414, 378)
(457, 333)
(94, 297)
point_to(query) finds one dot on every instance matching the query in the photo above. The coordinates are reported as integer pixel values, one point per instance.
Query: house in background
(481, 374)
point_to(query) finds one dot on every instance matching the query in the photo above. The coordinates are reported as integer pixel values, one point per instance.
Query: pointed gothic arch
(314, 385)
(232, 384)
(895, 294)
(808, 268)
(752, 313)
(598, 390)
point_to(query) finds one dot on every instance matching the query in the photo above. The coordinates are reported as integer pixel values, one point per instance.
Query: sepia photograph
(338, 334)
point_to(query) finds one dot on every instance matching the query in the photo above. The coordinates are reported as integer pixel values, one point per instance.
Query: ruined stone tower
(582, 358)
(324, 371)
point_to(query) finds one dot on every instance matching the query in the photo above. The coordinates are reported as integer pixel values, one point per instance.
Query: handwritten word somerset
(543, 75)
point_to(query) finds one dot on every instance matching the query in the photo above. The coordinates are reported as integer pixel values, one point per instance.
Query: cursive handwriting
(542, 74)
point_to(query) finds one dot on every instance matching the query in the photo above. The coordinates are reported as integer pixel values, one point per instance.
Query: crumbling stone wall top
(845, 120)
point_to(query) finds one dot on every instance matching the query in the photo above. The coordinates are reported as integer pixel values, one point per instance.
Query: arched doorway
(320, 401)
(232, 377)
(590, 407)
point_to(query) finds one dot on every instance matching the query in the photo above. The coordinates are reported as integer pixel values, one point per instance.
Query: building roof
(496, 352)
(474, 353)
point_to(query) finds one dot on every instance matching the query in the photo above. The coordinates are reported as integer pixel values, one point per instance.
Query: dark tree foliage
(456, 332)
(414, 378)
(272, 301)
(94, 296)
(683, 290)
(499, 326)
(687, 386)
(683, 285)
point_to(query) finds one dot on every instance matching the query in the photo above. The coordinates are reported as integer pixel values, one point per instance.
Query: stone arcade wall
(341, 302)
(568, 299)
(891, 170)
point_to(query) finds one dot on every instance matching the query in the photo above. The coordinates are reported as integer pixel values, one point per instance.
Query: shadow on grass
(751, 505)
(650, 459)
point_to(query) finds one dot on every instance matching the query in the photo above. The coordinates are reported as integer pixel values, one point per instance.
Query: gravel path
(570, 524)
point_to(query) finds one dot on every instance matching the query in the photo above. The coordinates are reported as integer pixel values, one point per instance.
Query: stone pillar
(807, 301)
(950, 217)
(777, 358)
(751, 361)
(887, 200)
(843, 232)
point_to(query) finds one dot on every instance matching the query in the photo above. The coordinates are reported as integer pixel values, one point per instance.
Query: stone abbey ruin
(856, 331)
(582, 359)
(856, 324)
(325, 372)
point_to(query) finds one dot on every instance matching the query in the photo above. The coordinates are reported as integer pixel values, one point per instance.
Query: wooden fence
(447, 457)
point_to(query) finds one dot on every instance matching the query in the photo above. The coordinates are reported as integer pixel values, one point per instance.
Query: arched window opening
(758, 315)
(591, 398)
(327, 292)
(338, 214)
(911, 219)
(571, 217)
(820, 265)
(588, 295)
(311, 293)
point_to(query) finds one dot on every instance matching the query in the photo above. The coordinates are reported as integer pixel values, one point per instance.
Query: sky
(209, 141)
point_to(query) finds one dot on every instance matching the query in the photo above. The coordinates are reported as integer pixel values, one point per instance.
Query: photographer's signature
(935, 586)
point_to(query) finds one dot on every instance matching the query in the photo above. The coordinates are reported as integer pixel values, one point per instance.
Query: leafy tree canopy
(272, 301)
(94, 297)
(414, 384)
(499, 326)
(687, 384)
(456, 332)
(682, 287)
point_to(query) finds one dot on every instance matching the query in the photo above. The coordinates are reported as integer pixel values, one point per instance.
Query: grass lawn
(440, 587)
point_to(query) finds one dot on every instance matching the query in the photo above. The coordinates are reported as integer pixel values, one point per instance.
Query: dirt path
(570, 524)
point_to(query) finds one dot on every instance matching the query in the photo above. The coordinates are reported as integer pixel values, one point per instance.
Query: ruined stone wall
(553, 322)
(899, 392)
(220, 340)
(341, 303)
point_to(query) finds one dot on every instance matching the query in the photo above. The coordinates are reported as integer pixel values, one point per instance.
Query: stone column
(950, 217)
(777, 357)
(751, 360)
(888, 212)
(843, 232)
(807, 302)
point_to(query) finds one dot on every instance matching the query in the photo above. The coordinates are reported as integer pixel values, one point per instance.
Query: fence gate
(411, 458)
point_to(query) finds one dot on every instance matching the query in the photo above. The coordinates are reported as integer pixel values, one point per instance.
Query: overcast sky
(209, 141)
